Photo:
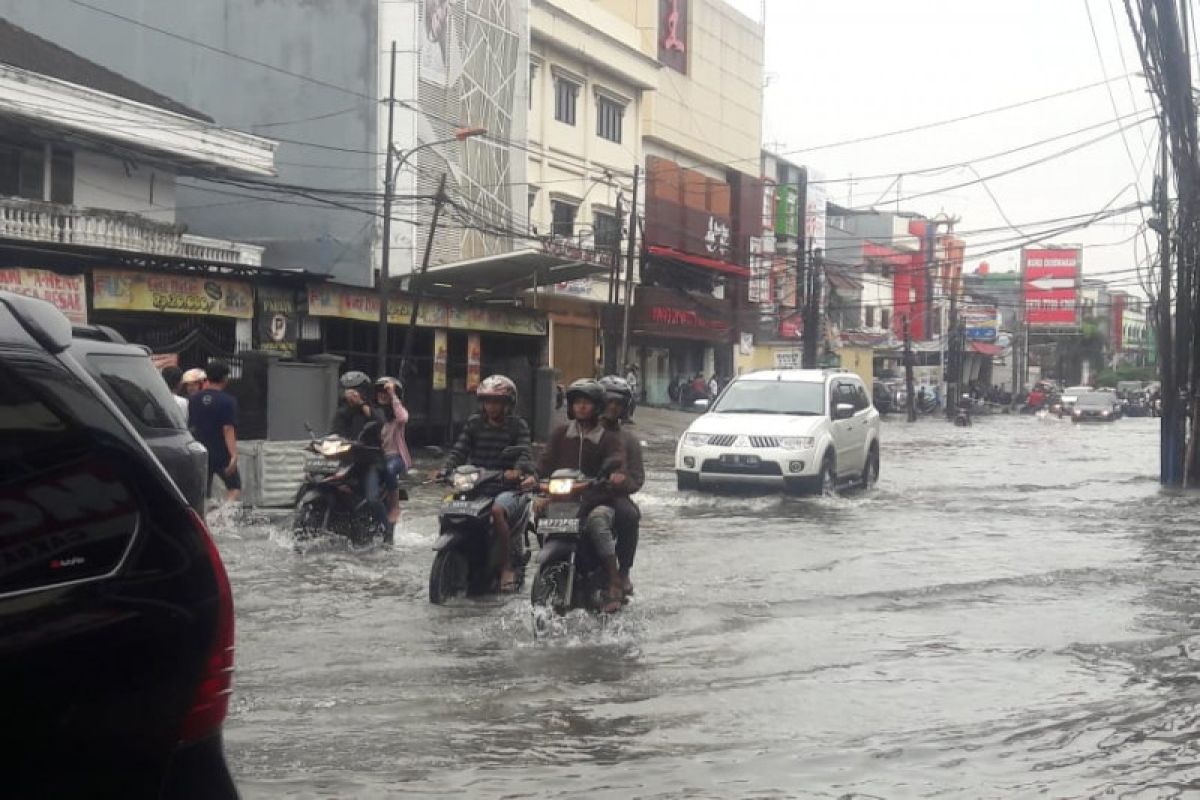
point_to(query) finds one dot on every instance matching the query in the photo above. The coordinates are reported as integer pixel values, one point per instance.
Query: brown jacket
(570, 448)
(635, 467)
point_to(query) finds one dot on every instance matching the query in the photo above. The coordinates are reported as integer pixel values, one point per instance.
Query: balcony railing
(35, 221)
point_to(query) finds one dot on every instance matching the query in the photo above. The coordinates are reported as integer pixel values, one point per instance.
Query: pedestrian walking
(714, 387)
(193, 381)
(631, 377)
(213, 414)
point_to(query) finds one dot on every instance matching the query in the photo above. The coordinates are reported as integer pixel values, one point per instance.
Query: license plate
(558, 525)
(739, 460)
(469, 507)
(320, 466)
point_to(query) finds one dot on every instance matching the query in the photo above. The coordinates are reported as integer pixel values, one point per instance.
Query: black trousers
(626, 526)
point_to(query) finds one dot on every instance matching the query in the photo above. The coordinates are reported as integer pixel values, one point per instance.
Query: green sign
(787, 211)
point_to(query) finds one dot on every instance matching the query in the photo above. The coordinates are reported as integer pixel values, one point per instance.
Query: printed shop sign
(276, 323)
(325, 300)
(125, 290)
(64, 292)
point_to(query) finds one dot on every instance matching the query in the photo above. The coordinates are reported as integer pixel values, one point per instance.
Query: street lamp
(388, 190)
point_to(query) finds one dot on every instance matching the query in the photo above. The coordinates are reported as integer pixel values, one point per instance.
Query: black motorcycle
(569, 574)
(331, 499)
(467, 561)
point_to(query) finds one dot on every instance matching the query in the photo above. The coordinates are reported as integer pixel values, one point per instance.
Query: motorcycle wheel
(449, 577)
(550, 587)
(307, 521)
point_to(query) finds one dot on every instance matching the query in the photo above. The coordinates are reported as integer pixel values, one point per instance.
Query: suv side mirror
(843, 411)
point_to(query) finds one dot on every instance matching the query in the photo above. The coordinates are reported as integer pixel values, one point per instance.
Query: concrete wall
(330, 42)
(105, 182)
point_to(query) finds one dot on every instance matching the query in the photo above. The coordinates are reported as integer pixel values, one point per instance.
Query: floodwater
(1011, 613)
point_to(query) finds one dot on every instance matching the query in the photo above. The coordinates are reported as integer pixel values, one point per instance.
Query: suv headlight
(797, 442)
(695, 439)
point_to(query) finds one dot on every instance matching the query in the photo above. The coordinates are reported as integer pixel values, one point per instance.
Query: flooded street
(1010, 613)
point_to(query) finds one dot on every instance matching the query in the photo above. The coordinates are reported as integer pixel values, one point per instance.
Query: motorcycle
(569, 573)
(467, 560)
(330, 500)
(962, 418)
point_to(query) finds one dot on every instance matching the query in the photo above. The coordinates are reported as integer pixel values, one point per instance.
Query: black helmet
(355, 380)
(497, 386)
(617, 388)
(585, 387)
(382, 384)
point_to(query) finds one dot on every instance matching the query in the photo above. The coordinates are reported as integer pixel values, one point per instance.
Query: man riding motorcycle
(618, 396)
(358, 420)
(585, 444)
(482, 442)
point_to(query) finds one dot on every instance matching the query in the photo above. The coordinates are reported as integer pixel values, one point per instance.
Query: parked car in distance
(1095, 407)
(126, 373)
(117, 633)
(798, 430)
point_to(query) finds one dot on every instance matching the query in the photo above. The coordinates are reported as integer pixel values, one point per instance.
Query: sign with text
(981, 323)
(441, 356)
(276, 322)
(672, 314)
(327, 300)
(64, 292)
(474, 360)
(787, 211)
(126, 290)
(1050, 287)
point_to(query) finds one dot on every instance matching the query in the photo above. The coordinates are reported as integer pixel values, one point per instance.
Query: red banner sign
(1050, 287)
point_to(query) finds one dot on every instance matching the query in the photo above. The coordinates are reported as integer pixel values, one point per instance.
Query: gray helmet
(500, 386)
(617, 388)
(355, 380)
(382, 383)
(585, 387)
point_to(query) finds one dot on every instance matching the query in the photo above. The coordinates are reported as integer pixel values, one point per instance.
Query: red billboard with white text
(1050, 286)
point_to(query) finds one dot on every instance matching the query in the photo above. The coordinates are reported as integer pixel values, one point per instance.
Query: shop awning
(699, 261)
(506, 274)
(986, 349)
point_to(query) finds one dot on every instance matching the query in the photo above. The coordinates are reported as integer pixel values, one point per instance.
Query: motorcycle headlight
(1104, 413)
(561, 486)
(335, 447)
(1077, 412)
(464, 481)
(695, 439)
(797, 442)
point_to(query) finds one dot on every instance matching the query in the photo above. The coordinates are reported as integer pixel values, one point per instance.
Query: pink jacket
(394, 443)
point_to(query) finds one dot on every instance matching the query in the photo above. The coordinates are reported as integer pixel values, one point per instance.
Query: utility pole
(419, 288)
(812, 309)
(389, 189)
(630, 252)
(909, 400)
(1168, 433)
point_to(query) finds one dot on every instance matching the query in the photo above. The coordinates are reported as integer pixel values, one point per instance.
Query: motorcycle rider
(353, 420)
(585, 444)
(964, 407)
(389, 397)
(619, 402)
(482, 441)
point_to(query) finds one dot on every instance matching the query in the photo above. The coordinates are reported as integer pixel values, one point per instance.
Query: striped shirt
(482, 444)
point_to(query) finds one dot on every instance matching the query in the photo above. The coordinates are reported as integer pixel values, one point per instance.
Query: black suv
(127, 374)
(116, 615)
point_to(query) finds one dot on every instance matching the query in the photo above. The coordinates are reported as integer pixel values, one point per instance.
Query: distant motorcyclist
(965, 404)
(360, 421)
(618, 396)
(585, 444)
(482, 442)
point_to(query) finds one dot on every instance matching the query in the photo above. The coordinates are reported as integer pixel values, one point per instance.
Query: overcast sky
(844, 70)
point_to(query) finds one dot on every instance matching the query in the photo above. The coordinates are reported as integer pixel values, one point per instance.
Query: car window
(772, 397)
(139, 390)
(844, 392)
(861, 401)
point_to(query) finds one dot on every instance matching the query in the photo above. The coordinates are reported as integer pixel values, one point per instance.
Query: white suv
(802, 430)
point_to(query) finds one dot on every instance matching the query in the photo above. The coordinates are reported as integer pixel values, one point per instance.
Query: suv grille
(764, 441)
(723, 440)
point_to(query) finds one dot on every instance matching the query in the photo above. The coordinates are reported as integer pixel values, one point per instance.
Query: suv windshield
(772, 397)
(139, 388)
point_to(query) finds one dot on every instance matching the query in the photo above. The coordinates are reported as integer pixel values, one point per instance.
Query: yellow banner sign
(326, 300)
(64, 292)
(125, 290)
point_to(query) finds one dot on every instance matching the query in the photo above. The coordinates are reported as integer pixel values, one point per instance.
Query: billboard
(1050, 286)
(981, 323)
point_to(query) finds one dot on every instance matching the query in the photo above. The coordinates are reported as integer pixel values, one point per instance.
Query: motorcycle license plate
(470, 507)
(558, 525)
(320, 466)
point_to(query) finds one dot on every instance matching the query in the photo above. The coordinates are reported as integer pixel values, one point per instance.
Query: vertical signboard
(673, 34)
(814, 211)
(1050, 286)
(275, 312)
(474, 359)
(787, 211)
(441, 354)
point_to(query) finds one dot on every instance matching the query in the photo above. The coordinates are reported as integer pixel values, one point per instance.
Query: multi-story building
(588, 80)
(90, 165)
(702, 134)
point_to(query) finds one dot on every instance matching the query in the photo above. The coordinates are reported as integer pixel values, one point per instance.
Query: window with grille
(885, 318)
(869, 316)
(563, 218)
(566, 95)
(606, 232)
(609, 116)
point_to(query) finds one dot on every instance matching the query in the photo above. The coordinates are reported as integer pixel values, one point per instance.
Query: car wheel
(686, 481)
(870, 473)
(827, 481)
